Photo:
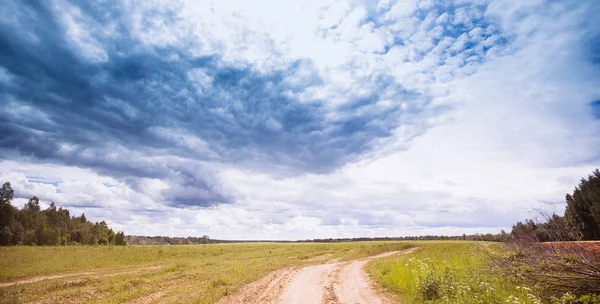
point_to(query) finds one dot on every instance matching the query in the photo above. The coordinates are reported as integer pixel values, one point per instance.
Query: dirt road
(330, 283)
(102, 273)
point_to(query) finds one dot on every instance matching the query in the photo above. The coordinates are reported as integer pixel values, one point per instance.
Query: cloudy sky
(299, 119)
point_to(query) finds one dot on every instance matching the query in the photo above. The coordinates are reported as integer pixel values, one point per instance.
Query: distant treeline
(190, 240)
(474, 237)
(165, 240)
(33, 226)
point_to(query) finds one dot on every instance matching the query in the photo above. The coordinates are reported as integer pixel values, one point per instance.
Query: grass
(188, 274)
(446, 272)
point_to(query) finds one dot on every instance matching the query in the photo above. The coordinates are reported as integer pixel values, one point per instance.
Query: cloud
(393, 117)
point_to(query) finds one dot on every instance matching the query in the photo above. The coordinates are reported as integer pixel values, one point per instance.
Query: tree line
(581, 220)
(53, 226)
(166, 240)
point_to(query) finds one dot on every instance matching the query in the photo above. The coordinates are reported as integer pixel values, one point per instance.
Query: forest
(53, 226)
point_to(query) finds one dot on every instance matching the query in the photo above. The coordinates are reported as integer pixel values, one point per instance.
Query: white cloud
(77, 26)
(401, 8)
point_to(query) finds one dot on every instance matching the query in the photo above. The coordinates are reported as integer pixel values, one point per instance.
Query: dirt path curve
(330, 283)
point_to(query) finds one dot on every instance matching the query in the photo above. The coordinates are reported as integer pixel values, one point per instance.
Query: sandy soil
(330, 283)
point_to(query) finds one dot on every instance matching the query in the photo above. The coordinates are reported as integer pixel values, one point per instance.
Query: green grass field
(188, 274)
(436, 272)
(447, 272)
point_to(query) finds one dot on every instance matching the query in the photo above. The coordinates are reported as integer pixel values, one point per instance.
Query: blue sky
(292, 120)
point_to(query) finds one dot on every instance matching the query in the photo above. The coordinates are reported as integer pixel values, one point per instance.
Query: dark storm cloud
(60, 106)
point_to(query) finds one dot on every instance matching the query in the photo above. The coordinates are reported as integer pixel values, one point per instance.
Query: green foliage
(5, 236)
(569, 298)
(34, 226)
(582, 214)
(6, 193)
(120, 239)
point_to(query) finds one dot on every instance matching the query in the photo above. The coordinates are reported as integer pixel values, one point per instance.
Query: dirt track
(331, 283)
(60, 276)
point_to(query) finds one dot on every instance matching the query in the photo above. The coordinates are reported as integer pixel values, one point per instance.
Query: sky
(286, 120)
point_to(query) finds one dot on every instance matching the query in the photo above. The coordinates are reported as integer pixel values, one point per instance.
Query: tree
(582, 214)
(41, 234)
(103, 241)
(33, 205)
(5, 236)
(29, 237)
(111, 237)
(205, 239)
(6, 193)
(18, 233)
(120, 239)
(7, 210)
(525, 231)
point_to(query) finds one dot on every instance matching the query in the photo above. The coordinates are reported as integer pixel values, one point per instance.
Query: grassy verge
(446, 272)
(188, 274)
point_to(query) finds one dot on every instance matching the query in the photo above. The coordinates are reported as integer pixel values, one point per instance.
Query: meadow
(435, 272)
(175, 274)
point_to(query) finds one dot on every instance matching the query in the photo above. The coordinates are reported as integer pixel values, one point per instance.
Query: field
(450, 270)
(176, 274)
(447, 272)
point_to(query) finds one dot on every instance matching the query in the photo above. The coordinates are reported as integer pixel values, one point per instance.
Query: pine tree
(582, 214)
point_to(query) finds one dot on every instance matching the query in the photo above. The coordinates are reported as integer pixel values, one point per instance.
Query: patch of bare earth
(147, 299)
(330, 283)
(265, 290)
(101, 273)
